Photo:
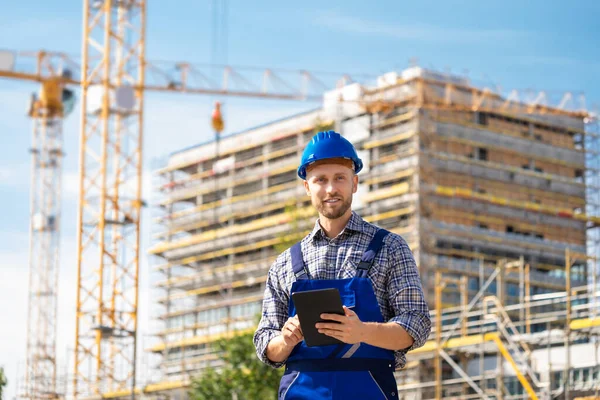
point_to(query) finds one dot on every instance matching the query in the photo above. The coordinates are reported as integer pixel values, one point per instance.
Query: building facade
(468, 178)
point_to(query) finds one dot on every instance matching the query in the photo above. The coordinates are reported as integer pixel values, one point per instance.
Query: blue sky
(514, 44)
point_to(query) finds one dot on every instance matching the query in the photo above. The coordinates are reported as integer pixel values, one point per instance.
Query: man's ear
(306, 188)
(355, 183)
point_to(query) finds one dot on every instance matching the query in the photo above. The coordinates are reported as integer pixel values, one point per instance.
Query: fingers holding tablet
(292, 333)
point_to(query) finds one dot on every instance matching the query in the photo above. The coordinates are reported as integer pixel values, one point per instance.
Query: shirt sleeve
(274, 311)
(405, 295)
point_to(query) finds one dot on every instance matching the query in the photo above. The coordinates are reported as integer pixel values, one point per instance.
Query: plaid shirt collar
(354, 225)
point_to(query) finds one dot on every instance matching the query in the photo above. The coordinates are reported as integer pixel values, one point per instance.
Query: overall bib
(343, 371)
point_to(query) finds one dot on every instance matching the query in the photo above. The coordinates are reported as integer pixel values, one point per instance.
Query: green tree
(298, 219)
(243, 376)
(289, 238)
(3, 381)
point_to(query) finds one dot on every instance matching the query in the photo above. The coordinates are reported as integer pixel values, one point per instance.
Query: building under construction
(497, 198)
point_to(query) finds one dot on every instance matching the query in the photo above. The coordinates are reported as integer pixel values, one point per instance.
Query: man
(375, 272)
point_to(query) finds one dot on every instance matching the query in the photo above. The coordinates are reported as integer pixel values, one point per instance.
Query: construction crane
(46, 110)
(113, 75)
(47, 113)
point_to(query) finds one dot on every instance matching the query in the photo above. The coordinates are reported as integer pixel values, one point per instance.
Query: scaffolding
(496, 196)
(504, 343)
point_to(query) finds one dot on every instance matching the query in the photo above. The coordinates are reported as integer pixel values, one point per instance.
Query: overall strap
(368, 257)
(362, 270)
(298, 262)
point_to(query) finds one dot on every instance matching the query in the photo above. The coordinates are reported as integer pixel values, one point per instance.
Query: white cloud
(6, 174)
(14, 271)
(14, 175)
(415, 31)
(70, 186)
(13, 285)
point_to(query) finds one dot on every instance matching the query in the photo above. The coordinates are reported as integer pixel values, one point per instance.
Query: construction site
(494, 197)
(496, 194)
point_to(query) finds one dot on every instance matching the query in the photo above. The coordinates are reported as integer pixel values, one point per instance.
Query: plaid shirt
(394, 277)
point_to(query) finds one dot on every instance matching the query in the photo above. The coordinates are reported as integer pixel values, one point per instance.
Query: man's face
(330, 187)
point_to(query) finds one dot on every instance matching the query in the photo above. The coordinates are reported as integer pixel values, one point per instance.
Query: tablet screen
(310, 305)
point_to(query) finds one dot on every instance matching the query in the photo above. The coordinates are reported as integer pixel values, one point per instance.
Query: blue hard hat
(325, 145)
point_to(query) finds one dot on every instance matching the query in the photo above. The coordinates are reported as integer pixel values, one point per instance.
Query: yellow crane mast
(46, 110)
(108, 227)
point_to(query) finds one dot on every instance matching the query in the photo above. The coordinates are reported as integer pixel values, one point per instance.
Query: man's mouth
(332, 201)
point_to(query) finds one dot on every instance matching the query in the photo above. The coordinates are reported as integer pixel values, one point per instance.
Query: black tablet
(310, 305)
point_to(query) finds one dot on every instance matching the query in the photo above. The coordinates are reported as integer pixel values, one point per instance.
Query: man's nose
(330, 188)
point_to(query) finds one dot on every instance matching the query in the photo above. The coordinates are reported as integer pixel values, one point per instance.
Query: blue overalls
(343, 371)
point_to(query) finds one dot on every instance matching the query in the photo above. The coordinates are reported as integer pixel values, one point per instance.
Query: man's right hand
(291, 332)
(281, 346)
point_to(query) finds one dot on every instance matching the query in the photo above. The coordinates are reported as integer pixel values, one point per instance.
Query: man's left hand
(350, 328)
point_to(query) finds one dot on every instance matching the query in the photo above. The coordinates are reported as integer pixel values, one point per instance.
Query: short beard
(333, 214)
